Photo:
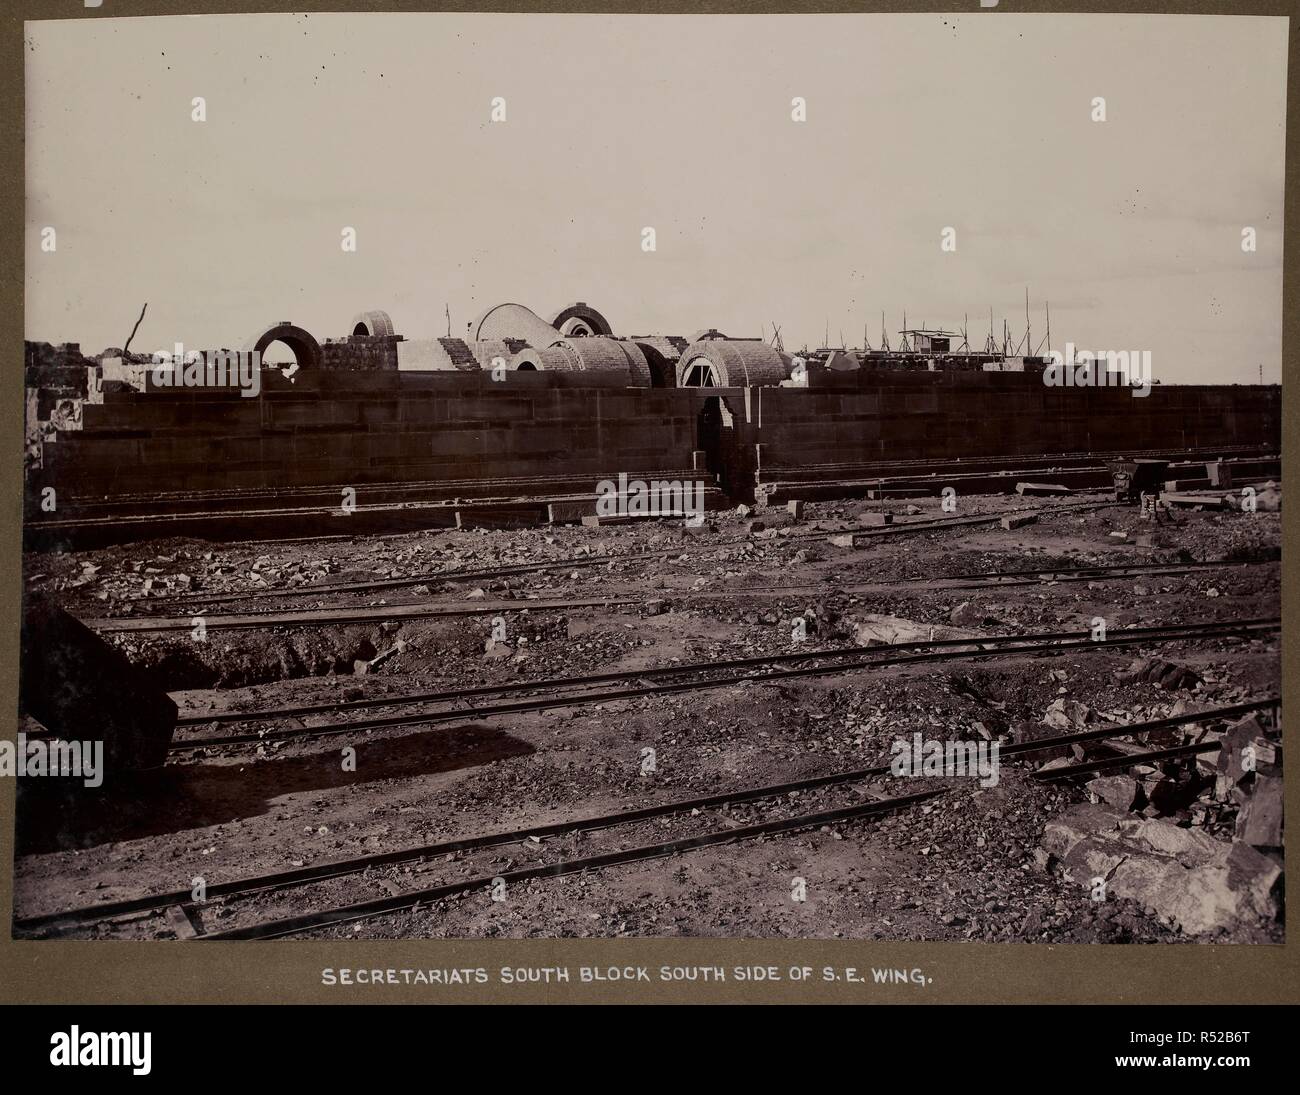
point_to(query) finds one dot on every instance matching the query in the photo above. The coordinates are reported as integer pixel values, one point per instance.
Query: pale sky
(1130, 228)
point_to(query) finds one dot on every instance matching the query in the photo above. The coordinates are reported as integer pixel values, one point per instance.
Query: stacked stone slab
(361, 353)
(50, 366)
(575, 412)
(58, 381)
(460, 355)
(436, 355)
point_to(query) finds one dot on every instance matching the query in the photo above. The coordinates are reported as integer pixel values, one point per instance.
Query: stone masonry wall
(868, 416)
(352, 427)
(361, 353)
(379, 427)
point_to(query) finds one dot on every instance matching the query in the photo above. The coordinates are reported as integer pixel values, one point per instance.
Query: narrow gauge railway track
(757, 670)
(423, 610)
(302, 876)
(1048, 573)
(758, 660)
(868, 531)
(1097, 572)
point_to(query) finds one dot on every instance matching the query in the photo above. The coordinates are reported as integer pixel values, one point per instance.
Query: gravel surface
(967, 866)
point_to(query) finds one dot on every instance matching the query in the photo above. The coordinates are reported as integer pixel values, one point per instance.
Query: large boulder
(1259, 823)
(79, 687)
(874, 629)
(1189, 879)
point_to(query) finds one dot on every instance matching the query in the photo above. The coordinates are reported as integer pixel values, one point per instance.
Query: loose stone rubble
(1187, 849)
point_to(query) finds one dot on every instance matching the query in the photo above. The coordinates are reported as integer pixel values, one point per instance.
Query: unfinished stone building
(522, 408)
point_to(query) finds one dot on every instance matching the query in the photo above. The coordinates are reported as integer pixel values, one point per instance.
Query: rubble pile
(1196, 842)
(1185, 847)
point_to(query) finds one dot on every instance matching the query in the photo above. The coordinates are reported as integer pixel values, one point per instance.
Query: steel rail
(364, 910)
(339, 868)
(604, 560)
(1229, 630)
(294, 925)
(1119, 730)
(555, 683)
(356, 865)
(1126, 761)
(253, 619)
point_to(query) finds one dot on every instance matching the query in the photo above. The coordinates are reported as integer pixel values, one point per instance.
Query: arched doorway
(279, 354)
(305, 350)
(708, 433)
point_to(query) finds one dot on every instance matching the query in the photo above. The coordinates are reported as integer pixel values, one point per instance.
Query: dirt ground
(967, 866)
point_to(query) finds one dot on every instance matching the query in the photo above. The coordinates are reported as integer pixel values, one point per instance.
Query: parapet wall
(386, 426)
(359, 427)
(870, 415)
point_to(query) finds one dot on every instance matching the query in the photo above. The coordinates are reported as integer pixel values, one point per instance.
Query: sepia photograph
(651, 477)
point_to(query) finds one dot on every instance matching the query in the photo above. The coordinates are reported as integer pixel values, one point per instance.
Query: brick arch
(581, 320)
(549, 359)
(662, 352)
(731, 363)
(372, 324)
(306, 350)
(587, 355)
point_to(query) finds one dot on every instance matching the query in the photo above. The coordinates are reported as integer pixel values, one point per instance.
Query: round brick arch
(590, 354)
(597, 354)
(548, 359)
(662, 352)
(306, 350)
(372, 324)
(581, 320)
(730, 363)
